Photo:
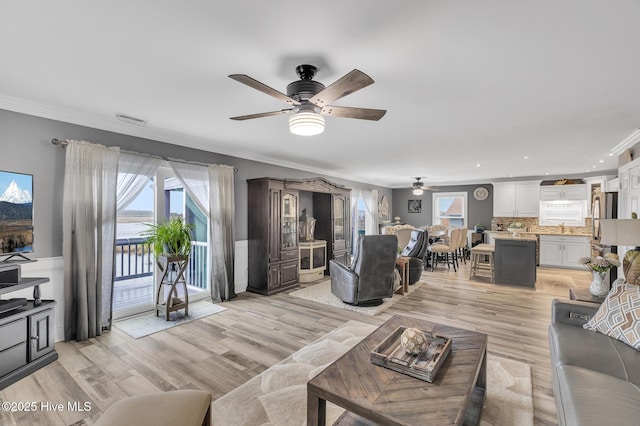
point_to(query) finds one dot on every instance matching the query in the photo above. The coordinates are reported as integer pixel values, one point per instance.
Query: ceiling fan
(310, 100)
(419, 188)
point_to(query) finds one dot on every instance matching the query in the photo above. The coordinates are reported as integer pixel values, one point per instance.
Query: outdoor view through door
(134, 282)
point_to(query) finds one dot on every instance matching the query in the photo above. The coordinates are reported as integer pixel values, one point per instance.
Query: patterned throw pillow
(619, 315)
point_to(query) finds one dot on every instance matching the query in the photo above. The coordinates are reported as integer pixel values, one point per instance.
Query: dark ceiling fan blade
(347, 84)
(262, 114)
(348, 112)
(251, 82)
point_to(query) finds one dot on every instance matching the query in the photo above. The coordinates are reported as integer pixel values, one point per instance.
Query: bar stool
(477, 253)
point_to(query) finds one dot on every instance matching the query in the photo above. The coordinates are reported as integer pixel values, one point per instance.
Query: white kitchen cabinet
(516, 199)
(491, 237)
(563, 192)
(564, 251)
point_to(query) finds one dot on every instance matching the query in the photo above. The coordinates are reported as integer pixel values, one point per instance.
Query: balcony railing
(134, 259)
(196, 274)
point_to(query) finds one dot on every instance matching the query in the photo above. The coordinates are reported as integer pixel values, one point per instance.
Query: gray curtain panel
(222, 202)
(89, 210)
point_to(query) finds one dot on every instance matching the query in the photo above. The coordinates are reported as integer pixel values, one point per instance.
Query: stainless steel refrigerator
(604, 206)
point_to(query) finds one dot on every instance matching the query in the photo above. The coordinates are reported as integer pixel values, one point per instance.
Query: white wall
(241, 268)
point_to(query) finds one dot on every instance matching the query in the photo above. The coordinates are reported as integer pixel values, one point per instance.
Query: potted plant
(172, 237)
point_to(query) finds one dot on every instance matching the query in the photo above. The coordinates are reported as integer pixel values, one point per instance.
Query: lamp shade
(620, 232)
(418, 192)
(306, 123)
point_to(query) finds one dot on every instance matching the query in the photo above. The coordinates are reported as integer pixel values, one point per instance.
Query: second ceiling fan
(309, 100)
(419, 188)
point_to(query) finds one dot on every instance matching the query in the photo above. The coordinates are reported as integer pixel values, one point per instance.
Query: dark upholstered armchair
(370, 277)
(416, 250)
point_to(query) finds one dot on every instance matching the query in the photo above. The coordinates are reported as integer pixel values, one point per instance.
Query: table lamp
(624, 232)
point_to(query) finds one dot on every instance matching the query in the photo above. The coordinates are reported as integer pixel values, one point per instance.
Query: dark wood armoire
(273, 228)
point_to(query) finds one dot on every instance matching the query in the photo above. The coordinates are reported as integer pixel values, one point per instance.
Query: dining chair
(445, 252)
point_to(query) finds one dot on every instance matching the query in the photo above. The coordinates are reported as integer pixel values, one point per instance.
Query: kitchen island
(515, 260)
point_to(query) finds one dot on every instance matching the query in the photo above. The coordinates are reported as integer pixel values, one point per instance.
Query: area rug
(321, 293)
(148, 323)
(278, 395)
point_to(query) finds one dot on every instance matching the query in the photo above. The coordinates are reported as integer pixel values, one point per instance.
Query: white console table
(312, 260)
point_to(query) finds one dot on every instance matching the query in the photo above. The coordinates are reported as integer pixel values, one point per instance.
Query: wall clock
(480, 193)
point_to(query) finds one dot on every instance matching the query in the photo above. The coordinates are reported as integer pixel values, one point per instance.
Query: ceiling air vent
(131, 120)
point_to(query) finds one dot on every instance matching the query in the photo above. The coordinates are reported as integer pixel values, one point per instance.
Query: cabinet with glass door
(273, 236)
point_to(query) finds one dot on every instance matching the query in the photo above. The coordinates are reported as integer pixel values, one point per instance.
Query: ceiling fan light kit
(306, 123)
(309, 100)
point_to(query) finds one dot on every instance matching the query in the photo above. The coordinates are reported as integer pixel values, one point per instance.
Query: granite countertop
(560, 234)
(522, 237)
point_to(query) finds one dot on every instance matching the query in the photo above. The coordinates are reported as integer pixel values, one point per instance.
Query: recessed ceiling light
(510, 175)
(611, 154)
(601, 161)
(526, 157)
(547, 173)
(594, 166)
(477, 164)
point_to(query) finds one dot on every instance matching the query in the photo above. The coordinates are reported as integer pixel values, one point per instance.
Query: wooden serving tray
(424, 366)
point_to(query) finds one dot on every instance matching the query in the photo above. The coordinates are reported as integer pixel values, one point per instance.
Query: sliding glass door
(136, 274)
(133, 287)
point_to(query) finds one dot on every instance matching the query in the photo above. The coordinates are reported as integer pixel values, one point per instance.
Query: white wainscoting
(241, 267)
(52, 268)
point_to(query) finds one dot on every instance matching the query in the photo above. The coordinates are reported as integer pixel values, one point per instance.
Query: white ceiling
(464, 82)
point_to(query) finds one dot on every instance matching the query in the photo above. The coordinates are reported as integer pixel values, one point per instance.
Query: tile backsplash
(531, 225)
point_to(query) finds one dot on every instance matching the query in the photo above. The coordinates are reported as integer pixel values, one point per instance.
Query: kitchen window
(450, 209)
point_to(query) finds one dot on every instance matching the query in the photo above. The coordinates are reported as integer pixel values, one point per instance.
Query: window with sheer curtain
(450, 209)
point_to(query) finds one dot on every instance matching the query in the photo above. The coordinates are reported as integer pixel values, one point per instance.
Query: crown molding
(627, 143)
(112, 124)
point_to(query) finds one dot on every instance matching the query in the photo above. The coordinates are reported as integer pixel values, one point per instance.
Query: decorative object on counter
(499, 227)
(413, 341)
(624, 232)
(515, 228)
(307, 226)
(565, 182)
(397, 219)
(599, 266)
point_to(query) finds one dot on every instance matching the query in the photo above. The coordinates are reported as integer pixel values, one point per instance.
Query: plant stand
(170, 264)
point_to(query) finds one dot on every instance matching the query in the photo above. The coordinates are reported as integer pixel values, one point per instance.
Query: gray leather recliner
(416, 250)
(370, 277)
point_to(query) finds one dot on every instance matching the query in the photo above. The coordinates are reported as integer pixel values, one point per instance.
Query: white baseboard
(241, 267)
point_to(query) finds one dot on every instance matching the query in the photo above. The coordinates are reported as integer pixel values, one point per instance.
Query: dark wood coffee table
(371, 392)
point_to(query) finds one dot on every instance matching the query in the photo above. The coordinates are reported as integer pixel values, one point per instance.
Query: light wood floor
(222, 351)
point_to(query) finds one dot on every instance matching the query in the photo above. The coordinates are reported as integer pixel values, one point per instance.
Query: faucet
(561, 228)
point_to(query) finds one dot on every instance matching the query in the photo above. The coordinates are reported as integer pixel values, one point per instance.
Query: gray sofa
(596, 379)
